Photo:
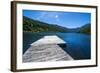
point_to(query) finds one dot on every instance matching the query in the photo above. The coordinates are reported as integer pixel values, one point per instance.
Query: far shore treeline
(30, 25)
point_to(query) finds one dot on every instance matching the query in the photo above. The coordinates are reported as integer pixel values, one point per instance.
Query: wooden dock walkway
(48, 40)
(46, 52)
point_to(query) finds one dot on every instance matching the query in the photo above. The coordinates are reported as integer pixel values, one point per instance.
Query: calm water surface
(78, 45)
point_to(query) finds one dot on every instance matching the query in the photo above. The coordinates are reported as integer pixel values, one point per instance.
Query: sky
(65, 19)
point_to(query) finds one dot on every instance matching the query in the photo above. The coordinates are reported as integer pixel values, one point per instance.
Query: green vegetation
(30, 25)
(37, 26)
(85, 29)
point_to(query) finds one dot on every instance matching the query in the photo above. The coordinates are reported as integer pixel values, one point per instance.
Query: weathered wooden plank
(46, 49)
(48, 40)
(46, 52)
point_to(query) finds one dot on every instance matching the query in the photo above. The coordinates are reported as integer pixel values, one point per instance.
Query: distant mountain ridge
(32, 25)
(86, 29)
(83, 29)
(38, 26)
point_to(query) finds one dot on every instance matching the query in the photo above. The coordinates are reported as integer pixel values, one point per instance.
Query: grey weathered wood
(45, 50)
(48, 40)
(45, 53)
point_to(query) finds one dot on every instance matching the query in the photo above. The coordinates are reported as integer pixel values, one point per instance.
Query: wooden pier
(46, 49)
(48, 40)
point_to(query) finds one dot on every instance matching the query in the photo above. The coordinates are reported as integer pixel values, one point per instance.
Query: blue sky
(65, 19)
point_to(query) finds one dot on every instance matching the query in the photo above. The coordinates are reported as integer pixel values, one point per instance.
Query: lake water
(78, 45)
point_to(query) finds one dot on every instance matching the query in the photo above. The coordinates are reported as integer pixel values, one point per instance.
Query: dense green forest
(30, 25)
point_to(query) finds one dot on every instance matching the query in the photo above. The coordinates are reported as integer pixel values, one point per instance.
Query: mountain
(85, 29)
(38, 26)
(32, 25)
